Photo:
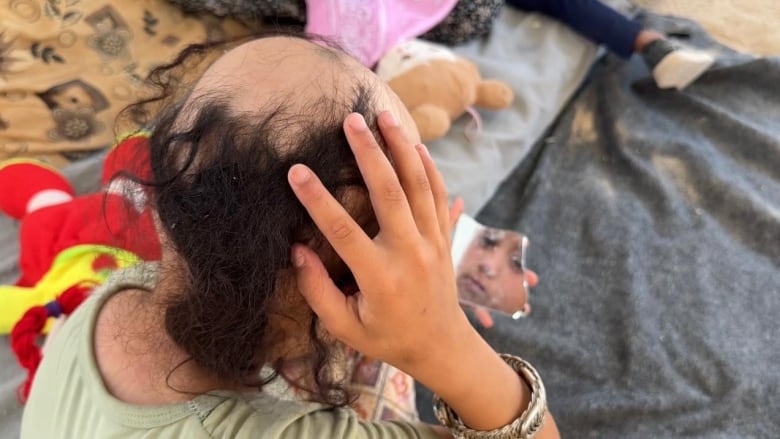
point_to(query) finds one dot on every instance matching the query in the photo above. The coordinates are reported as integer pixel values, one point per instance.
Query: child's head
(227, 216)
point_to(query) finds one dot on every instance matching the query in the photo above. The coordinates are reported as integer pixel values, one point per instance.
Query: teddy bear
(437, 86)
(69, 243)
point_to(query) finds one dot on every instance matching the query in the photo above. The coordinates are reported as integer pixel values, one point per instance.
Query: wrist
(484, 391)
(443, 351)
(475, 365)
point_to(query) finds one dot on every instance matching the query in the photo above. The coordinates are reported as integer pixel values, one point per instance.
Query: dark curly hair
(219, 187)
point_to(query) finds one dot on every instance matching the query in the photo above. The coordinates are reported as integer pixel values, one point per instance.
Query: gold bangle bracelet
(525, 427)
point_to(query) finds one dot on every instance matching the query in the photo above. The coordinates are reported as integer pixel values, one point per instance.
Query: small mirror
(490, 267)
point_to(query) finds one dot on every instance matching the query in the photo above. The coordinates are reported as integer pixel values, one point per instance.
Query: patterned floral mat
(68, 67)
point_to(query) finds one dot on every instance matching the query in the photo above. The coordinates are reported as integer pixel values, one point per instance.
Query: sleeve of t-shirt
(344, 423)
(290, 420)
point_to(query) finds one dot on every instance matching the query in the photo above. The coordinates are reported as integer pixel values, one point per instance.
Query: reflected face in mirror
(491, 272)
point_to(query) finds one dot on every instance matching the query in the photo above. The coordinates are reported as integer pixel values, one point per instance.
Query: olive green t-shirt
(68, 398)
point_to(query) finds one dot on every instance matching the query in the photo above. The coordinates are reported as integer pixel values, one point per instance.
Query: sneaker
(674, 66)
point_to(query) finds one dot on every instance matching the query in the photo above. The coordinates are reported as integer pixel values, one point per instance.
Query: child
(281, 238)
(672, 65)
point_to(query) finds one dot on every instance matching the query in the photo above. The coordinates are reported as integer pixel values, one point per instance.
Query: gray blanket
(654, 219)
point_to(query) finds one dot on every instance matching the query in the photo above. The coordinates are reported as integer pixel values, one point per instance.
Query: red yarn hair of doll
(29, 327)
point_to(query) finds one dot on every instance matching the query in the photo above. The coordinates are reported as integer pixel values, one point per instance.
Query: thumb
(333, 308)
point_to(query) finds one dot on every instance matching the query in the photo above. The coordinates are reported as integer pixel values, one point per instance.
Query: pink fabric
(367, 29)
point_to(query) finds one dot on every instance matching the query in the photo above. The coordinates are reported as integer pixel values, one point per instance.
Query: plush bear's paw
(494, 95)
(432, 121)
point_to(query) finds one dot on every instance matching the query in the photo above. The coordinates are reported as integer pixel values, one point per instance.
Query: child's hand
(455, 210)
(407, 308)
(406, 312)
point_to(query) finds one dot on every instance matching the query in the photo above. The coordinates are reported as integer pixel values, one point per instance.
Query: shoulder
(269, 417)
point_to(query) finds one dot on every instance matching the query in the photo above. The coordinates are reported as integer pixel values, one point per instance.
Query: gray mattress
(654, 220)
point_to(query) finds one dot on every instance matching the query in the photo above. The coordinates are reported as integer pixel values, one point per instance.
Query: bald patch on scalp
(279, 69)
(295, 77)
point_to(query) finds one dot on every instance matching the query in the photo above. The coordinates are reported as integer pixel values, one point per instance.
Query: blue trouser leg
(592, 19)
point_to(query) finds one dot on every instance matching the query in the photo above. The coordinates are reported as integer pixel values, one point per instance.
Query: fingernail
(358, 122)
(298, 259)
(390, 119)
(299, 174)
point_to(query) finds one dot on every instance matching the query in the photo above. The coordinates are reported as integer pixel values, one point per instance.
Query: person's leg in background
(672, 65)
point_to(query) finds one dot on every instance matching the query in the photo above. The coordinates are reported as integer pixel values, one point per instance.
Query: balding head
(280, 69)
(220, 161)
(293, 74)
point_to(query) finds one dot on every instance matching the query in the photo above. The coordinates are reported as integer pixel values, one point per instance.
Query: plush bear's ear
(432, 121)
(494, 95)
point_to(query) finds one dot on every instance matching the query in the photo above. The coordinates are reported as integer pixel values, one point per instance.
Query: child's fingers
(438, 189)
(455, 210)
(387, 195)
(483, 316)
(532, 278)
(411, 173)
(325, 299)
(342, 232)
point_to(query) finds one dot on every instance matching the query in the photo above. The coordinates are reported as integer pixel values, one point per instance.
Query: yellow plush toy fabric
(77, 264)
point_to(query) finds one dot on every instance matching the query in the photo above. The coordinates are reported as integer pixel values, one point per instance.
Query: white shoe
(674, 66)
(681, 67)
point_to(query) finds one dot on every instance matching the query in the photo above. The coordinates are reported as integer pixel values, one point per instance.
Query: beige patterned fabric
(68, 67)
(384, 393)
(749, 26)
